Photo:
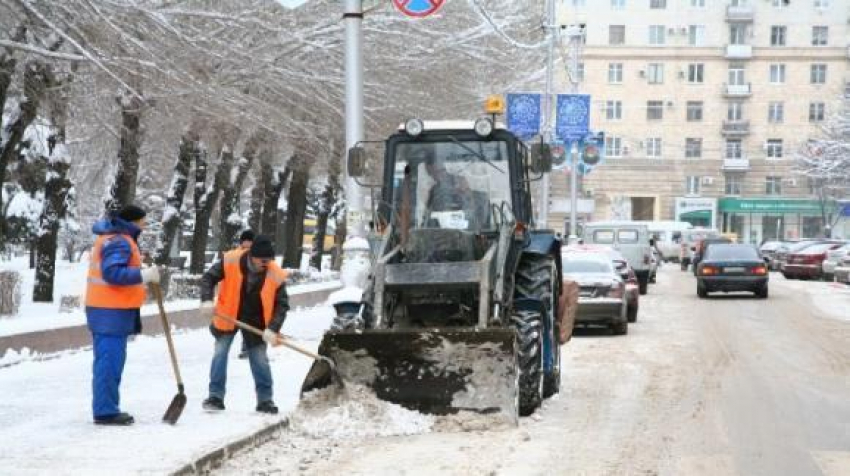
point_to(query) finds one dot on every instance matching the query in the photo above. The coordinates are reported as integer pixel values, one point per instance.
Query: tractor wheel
(537, 277)
(529, 326)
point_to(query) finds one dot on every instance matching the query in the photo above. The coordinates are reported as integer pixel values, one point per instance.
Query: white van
(668, 236)
(630, 238)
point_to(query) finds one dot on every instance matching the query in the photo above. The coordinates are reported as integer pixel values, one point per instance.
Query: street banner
(524, 115)
(572, 120)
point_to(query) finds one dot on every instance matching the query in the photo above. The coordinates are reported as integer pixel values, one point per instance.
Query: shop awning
(696, 215)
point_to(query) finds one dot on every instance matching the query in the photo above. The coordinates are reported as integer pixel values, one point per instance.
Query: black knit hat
(247, 235)
(262, 248)
(131, 213)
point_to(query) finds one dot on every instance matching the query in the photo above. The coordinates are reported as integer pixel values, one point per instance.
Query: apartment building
(704, 104)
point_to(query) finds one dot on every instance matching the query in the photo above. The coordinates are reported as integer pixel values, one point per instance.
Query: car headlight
(414, 127)
(483, 127)
(616, 291)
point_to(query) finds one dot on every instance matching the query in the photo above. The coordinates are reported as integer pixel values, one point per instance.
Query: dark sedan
(732, 267)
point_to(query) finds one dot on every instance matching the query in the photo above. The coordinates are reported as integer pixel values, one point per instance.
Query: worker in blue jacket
(115, 292)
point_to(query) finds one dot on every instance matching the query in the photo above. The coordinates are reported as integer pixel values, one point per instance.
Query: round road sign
(418, 8)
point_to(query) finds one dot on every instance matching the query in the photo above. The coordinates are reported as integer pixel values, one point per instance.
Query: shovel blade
(439, 371)
(175, 409)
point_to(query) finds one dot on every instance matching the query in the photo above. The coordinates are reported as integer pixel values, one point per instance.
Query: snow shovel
(172, 414)
(326, 363)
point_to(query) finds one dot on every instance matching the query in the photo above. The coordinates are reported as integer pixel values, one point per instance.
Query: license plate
(734, 270)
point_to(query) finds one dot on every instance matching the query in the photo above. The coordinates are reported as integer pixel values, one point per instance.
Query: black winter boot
(121, 419)
(267, 407)
(213, 404)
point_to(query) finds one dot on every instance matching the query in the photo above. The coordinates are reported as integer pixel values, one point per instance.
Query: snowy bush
(69, 303)
(10, 292)
(185, 286)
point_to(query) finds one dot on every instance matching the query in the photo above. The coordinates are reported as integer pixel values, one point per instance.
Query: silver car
(842, 271)
(833, 257)
(602, 292)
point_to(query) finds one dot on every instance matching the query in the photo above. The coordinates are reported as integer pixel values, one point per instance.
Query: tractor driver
(449, 192)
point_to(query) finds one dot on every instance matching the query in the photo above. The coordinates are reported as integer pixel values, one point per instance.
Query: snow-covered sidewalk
(46, 410)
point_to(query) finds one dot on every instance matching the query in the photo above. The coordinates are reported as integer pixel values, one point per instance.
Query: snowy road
(731, 385)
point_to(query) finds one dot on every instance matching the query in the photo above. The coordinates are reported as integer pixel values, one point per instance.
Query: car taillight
(708, 271)
(616, 291)
(759, 270)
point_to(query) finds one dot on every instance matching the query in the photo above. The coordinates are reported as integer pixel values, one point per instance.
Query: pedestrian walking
(115, 292)
(251, 289)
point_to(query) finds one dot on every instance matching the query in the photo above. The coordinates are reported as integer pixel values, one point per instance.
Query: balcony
(737, 90)
(739, 13)
(736, 165)
(739, 51)
(735, 128)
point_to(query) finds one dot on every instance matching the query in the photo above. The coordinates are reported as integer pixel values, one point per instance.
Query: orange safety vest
(101, 294)
(230, 290)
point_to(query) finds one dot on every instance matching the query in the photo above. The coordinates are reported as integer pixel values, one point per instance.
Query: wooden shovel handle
(157, 291)
(283, 340)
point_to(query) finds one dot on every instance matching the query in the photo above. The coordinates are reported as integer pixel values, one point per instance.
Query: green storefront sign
(778, 206)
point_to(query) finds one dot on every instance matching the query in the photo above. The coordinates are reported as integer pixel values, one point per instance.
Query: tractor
(460, 307)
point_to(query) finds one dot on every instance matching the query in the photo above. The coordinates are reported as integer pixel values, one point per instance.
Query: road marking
(832, 463)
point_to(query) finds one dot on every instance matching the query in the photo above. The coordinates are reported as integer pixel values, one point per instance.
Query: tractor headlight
(483, 127)
(414, 127)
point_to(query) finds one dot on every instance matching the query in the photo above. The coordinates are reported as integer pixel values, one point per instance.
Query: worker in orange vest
(115, 292)
(246, 239)
(252, 290)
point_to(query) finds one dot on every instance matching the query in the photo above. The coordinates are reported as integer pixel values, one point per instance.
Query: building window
(777, 35)
(696, 35)
(613, 110)
(737, 76)
(735, 111)
(654, 110)
(696, 73)
(698, 3)
(773, 185)
(579, 73)
(818, 75)
(616, 34)
(776, 112)
(579, 3)
(655, 73)
(693, 148)
(774, 148)
(738, 34)
(821, 3)
(692, 184)
(777, 74)
(615, 72)
(694, 111)
(657, 34)
(817, 112)
(658, 4)
(781, 3)
(613, 146)
(734, 149)
(812, 185)
(653, 147)
(618, 4)
(820, 35)
(733, 184)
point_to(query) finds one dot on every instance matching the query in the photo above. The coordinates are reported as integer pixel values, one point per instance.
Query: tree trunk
(231, 222)
(7, 70)
(205, 201)
(256, 212)
(295, 211)
(123, 189)
(339, 241)
(274, 181)
(189, 152)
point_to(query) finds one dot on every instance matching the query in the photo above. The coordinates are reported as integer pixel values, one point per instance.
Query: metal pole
(548, 130)
(574, 159)
(353, 19)
(576, 36)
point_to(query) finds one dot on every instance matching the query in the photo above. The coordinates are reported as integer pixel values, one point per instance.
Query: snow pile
(355, 411)
(12, 357)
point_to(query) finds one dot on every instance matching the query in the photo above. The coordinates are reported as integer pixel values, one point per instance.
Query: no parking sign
(418, 8)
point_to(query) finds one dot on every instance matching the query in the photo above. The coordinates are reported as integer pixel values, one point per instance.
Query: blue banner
(845, 209)
(572, 119)
(524, 115)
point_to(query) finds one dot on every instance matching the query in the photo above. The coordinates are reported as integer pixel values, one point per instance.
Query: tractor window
(460, 185)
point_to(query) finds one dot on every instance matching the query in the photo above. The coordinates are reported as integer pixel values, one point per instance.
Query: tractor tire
(537, 277)
(529, 327)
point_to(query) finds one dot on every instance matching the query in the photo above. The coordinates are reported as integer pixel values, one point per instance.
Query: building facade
(704, 104)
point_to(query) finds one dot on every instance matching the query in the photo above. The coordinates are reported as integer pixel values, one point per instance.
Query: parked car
(689, 240)
(630, 239)
(842, 271)
(768, 249)
(602, 292)
(702, 246)
(781, 255)
(833, 257)
(622, 267)
(732, 267)
(807, 263)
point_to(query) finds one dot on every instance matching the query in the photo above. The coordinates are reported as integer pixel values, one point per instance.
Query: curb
(215, 458)
(68, 338)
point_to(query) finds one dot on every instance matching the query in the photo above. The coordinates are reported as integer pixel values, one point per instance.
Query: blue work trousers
(110, 353)
(260, 368)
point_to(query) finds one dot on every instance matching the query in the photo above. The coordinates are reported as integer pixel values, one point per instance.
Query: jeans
(110, 353)
(260, 368)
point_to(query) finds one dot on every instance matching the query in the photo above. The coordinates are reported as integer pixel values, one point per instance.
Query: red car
(623, 268)
(807, 263)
